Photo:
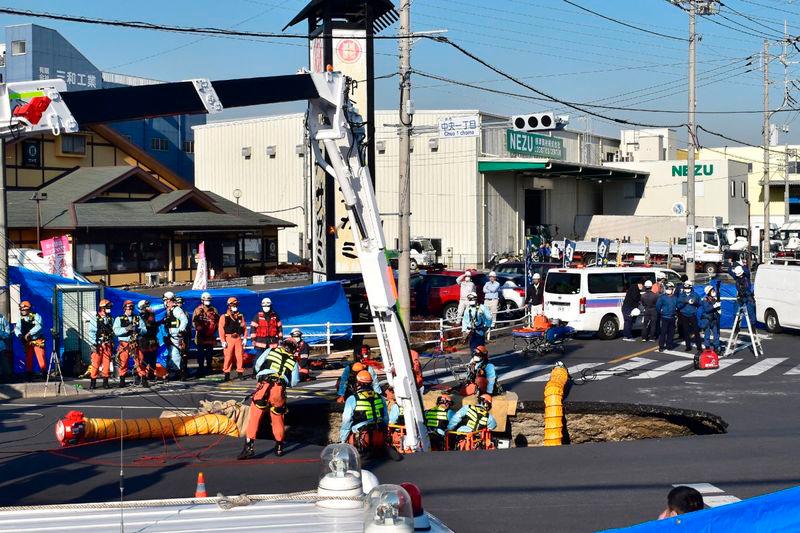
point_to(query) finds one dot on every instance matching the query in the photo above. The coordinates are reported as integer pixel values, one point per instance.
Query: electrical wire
(627, 25)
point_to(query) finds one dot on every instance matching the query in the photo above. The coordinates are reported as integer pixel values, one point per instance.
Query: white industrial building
(479, 195)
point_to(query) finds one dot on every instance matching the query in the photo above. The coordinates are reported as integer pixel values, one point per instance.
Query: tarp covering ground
(319, 303)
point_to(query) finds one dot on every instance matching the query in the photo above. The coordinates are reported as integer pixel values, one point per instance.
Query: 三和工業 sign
(533, 145)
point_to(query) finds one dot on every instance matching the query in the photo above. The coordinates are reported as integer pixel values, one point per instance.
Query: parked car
(518, 268)
(590, 299)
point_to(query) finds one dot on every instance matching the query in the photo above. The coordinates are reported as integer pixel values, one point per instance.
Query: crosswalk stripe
(793, 372)
(723, 364)
(702, 488)
(573, 371)
(722, 499)
(665, 369)
(687, 355)
(522, 372)
(633, 364)
(713, 496)
(761, 367)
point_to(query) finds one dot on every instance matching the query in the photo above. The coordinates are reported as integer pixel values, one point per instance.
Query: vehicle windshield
(562, 283)
(426, 245)
(723, 236)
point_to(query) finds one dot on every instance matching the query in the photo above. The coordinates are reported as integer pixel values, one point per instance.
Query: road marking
(621, 369)
(523, 372)
(702, 488)
(761, 367)
(687, 355)
(631, 356)
(723, 364)
(793, 372)
(573, 370)
(665, 369)
(713, 496)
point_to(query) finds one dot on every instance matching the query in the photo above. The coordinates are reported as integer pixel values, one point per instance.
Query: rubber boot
(93, 384)
(248, 451)
(279, 448)
(227, 376)
(122, 382)
(242, 376)
(105, 383)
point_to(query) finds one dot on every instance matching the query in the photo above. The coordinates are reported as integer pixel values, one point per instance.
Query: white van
(590, 299)
(776, 296)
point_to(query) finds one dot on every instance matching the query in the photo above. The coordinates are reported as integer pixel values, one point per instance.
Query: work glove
(224, 345)
(28, 337)
(717, 305)
(340, 399)
(131, 328)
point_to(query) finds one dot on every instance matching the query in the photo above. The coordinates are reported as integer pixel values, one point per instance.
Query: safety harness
(233, 324)
(477, 418)
(369, 407)
(105, 329)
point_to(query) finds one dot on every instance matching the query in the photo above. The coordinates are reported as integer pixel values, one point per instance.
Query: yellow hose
(74, 428)
(553, 407)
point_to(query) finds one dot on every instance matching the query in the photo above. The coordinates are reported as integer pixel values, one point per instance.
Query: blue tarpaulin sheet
(779, 511)
(319, 303)
(729, 306)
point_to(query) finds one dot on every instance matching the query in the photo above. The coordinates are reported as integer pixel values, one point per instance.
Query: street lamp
(38, 197)
(237, 193)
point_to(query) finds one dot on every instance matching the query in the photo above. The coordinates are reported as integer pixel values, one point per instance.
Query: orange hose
(553, 407)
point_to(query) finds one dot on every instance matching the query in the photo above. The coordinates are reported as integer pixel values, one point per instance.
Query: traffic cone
(200, 491)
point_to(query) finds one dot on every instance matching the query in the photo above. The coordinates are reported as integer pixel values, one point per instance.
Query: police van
(590, 299)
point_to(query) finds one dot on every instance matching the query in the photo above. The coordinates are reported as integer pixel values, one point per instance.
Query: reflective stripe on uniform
(369, 407)
(280, 362)
(477, 418)
(436, 418)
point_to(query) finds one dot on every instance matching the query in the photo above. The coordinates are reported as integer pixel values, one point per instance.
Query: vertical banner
(602, 251)
(201, 276)
(689, 244)
(569, 251)
(531, 249)
(58, 253)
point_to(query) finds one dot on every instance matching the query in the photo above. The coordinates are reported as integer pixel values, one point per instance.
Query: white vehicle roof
(596, 270)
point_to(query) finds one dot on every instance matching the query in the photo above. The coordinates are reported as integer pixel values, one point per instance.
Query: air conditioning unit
(152, 278)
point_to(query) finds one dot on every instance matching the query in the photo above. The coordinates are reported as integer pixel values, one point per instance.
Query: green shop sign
(699, 170)
(532, 145)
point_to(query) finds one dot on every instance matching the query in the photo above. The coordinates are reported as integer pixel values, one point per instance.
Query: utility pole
(404, 230)
(690, 213)
(5, 289)
(765, 243)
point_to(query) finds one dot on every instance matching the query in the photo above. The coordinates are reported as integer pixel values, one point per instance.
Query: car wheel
(772, 322)
(450, 313)
(413, 264)
(609, 328)
(710, 268)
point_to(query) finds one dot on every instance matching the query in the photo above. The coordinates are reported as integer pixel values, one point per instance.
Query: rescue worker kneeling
(482, 378)
(471, 426)
(275, 369)
(437, 420)
(364, 417)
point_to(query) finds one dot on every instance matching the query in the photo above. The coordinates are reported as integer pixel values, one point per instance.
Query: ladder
(743, 316)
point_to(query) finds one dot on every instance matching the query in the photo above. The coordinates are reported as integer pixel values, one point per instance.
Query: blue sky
(552, 45)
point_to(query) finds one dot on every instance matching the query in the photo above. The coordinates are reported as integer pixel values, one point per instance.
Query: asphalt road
(570, 488)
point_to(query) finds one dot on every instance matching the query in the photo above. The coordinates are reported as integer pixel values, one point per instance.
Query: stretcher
(541, 342)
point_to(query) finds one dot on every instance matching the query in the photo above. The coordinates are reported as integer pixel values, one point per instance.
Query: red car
(437, 293)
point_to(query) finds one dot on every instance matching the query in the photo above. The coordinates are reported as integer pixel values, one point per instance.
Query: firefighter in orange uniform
(266, 329)
(30, 333)
(232, 329)
(101, 336)
(128, 328)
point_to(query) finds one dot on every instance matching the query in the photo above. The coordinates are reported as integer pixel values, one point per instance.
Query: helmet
(127, 303)
(708, 289)
(660, 275)
(485, 399)
(444, 399)
(467, 274)
(472, 296)
(205, 296)
(480, 350)
(142, 305)
(104, 304)
(537, 276)
(364, 377)
(266, 302)
(169, 295)
(357, 367)
(738, 270)
(492, 274)
(648, 284)
(179, 299)
(687, 284)
(25, 304)
(232, 301)
(290, 342)
(670, 285)
(297, 333)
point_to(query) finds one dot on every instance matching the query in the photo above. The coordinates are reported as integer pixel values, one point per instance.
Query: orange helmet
(486, 399)
(444, 399)
(233, 301)
(104, 304)
(25, 304)
(364, 377)
(127, 303)
(481, 350)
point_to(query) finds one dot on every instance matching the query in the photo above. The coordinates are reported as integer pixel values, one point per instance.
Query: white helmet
(660, 275)
(492, 274)
(296, 332)
(648, 284)
(205, 296)
(142, 305)
(472, 296)
(537, 276)
(169, 295)
(708, 289)
(266, 302)
(738, 270)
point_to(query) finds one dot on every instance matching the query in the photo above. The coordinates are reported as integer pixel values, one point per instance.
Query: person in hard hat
(6, 353)
(148, 342)
(491, 298)
(472, 418)
(650, 315)
(205, 320)
(536, 295)
(275, 368)
(301, 354)
(176, 324)
(466, 287)
(688, 305)
(347, 379)
(31, 334)
(632, 300)
(482, 376)
(710, 309)
(476, 322)
(744, 290)
(667, 308)
(185, 337)
(438, 419)
(128, 327)
(364, 420)
(266, 329)
(101, 336)
(232, 331)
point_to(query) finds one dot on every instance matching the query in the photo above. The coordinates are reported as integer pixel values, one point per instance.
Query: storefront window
(229, 253)
(155, 255)
(252, 250)
(123, 257)
(90, 258)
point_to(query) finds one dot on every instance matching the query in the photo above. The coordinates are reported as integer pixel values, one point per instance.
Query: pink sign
(58, 254)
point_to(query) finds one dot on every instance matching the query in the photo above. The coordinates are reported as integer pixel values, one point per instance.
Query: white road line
(687, 355)
(573, 371)
(522, 372)
(722, 499)
(702, 488)
(665, 369)
(761, 367)
(793, 372)
(634, 363)
(723, 364)
(713, 496)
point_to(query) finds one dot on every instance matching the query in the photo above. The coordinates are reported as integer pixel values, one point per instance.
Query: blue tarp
(312, 304)
(729, 307)
(779, 511)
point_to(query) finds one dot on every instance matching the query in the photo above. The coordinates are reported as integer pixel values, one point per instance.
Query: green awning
(504, 166)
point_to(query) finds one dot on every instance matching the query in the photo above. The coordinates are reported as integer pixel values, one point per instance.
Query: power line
(637, 28)
(751, 19)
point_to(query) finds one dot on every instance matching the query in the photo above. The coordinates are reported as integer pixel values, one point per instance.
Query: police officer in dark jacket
(650, 325)
(633, 298)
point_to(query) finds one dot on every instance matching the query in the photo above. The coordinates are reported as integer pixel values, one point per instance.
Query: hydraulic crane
(338, 134)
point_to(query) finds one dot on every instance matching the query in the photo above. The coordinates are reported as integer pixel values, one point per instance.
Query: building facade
(33, 52)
